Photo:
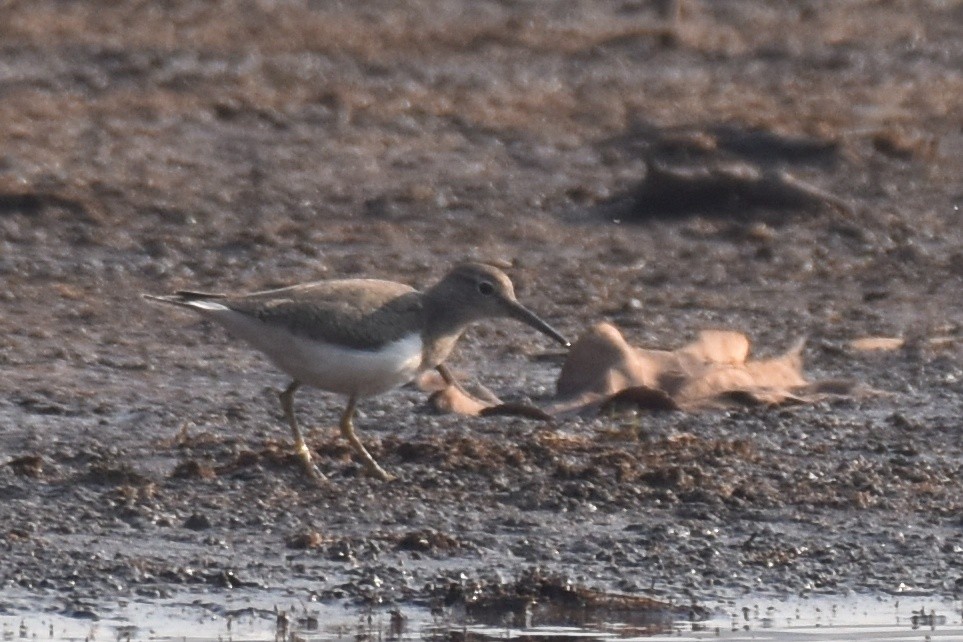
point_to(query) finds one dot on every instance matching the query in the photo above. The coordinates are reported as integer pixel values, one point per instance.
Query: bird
(360, 337)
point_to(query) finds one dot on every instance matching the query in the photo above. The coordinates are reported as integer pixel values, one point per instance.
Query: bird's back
(361, 314)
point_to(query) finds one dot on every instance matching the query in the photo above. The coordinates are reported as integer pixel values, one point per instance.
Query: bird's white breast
(321, 364)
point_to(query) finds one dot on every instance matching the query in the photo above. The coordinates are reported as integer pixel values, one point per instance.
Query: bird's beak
(519, 312)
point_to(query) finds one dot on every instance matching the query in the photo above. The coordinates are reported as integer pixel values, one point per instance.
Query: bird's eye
(485, 288)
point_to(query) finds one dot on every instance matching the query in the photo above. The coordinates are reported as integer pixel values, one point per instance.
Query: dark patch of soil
(150, 147)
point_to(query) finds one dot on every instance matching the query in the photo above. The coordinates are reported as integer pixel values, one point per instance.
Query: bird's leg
(449, 378)
(347, 429)
(300, 448)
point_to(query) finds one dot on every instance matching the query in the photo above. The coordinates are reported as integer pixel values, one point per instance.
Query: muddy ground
(146, 147)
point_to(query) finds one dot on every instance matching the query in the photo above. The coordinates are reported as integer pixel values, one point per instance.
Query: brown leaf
(641, 397)
(835, 387)
(719, 346)
(602, 362)
(714, 371)
(454, 400)
(781, 372)
(757, 397)
(515, 409)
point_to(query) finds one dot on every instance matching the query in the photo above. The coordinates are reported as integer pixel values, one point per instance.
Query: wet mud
(786, 170)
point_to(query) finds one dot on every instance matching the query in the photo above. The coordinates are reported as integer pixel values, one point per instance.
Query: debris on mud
(877, 344)
(193, 469)
(27, 465)
(537, 598)
(737, 190)
(722, 171)
(197, 522)
(424, 541)
(305, 539)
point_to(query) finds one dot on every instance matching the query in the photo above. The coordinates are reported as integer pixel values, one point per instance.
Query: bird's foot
(314, 473)
(310, 468)
(376, 471)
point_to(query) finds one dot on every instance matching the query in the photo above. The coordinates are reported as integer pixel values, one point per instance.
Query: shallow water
(276, 618)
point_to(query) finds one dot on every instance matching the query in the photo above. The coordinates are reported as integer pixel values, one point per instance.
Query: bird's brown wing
(357, 313)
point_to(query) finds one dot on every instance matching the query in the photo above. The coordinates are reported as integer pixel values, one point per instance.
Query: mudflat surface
(146, 147)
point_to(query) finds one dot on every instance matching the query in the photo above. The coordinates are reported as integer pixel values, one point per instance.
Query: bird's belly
(328, 366)
(350, 371)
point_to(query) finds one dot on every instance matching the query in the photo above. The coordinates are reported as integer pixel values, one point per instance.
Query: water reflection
(260, 617)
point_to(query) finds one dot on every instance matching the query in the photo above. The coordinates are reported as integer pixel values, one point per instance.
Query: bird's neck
(436, 349)
(442, 328)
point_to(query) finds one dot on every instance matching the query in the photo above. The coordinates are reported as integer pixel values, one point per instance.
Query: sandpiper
(361, 337)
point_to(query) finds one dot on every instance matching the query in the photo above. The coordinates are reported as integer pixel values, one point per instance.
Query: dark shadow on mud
(721, 171)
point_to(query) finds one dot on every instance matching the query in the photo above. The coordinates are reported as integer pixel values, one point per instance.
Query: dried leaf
(516, 409)
(719, 346)
(603, 371)
(602, 362)
(872, 344)
(641, 397)
(455, 400)
(714, 371)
